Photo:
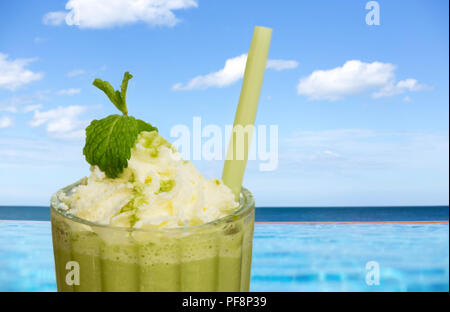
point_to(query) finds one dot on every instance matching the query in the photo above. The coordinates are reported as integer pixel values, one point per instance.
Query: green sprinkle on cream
(153, 141)
(166, 185)
(128, 207)
(133, 219)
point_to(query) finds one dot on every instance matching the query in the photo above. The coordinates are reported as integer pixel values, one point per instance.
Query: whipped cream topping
(158, 189)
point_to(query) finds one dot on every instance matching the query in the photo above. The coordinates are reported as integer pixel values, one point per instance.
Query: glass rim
(246, 206)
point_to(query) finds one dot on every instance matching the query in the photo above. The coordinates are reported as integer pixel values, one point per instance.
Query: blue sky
(362, 110)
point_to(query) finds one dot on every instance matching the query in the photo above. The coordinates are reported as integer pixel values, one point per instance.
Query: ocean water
(286, 257)
(283, 214)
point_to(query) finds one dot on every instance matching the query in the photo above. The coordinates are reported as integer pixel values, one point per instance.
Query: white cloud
(76, 72)
(13, 73)
(110, 13)
(232, 71)
(15, 103)
(355, 77)
(351, 78)
(5, 122)
(4, 107)
(400, 87)
(279, 65)
(61, 122)
(69, 92)
(31, 108)
(54, 18)
(29, 102)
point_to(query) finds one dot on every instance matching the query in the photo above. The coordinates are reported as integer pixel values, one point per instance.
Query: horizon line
(296, 207)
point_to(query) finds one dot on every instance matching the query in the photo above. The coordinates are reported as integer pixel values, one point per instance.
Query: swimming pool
(286, 257)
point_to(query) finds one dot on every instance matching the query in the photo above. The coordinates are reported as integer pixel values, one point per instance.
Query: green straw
(233, 171)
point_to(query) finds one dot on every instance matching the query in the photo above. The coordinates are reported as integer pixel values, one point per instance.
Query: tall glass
(214, 256)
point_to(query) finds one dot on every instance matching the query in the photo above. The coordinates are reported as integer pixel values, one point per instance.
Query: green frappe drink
(145, 219)
(214, 256)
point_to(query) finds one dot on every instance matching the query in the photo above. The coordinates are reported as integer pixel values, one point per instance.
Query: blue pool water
(288, 257)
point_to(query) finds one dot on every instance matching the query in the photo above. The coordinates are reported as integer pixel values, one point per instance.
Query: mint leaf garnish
(123, 89)
(109, 140)
(116, 97)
